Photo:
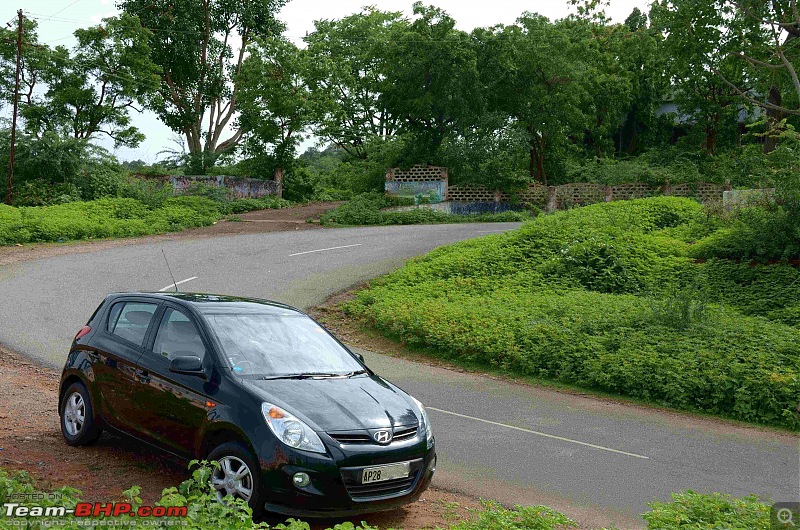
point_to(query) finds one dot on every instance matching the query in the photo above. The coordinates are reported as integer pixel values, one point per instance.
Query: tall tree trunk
(774, 118)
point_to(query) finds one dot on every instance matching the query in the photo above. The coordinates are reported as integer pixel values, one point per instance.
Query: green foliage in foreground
(126, 217)
(367, 209)
(688, 510)
(607, 297)
(693, 511)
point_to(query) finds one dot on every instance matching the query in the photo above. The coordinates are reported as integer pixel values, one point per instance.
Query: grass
(607, 298)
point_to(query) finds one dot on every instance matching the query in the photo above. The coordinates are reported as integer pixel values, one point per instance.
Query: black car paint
(187, 415)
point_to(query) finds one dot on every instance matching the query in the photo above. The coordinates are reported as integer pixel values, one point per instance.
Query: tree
(641, 56)
(749, 47)
(433, 80)
(36, 58)
(92, 90)
(491, 153)
(531, 72)
(347, 75)
(200, 46)
(274, 100)
(86, 92)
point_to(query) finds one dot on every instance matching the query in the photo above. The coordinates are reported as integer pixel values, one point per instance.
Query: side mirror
(187, 364)
(359, 356)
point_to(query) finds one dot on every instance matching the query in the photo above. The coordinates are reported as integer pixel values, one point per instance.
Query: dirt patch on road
(284, 219)
(30, 440)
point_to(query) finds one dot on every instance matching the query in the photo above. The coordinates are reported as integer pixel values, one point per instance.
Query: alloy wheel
(74, 414)
(232, 477)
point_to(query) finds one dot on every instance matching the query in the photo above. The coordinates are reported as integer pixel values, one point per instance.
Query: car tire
(231, 456)
(78, 424)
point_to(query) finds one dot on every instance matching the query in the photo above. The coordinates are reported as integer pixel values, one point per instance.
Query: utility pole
(16, 108)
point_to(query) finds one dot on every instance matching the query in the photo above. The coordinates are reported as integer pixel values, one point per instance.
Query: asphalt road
(598, 461)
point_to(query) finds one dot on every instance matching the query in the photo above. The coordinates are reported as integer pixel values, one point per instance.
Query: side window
(177, 336)
(130, 320)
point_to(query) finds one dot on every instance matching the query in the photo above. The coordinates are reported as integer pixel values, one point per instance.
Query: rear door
(119, 344)
(172, 407)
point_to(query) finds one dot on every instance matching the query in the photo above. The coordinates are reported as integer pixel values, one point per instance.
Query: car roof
(217, 303)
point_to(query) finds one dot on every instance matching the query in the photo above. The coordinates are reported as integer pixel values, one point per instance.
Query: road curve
(598, 461)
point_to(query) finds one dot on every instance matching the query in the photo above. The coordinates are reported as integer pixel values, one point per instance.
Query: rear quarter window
(130, 320)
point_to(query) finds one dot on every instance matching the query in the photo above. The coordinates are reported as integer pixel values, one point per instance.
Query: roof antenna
(170, 270)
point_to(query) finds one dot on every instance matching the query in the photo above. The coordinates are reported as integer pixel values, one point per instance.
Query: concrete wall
(240, 186)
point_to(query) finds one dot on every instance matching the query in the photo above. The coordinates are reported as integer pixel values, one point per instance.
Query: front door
(173, 406)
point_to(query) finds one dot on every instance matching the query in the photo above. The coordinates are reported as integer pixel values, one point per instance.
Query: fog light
(301, 480)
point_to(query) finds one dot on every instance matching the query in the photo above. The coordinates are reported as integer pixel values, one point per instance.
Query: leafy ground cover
(368, 209)
(687, 510)
(609, 297)
(118, 217)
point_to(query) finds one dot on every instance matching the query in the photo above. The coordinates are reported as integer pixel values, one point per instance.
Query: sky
(58, 19)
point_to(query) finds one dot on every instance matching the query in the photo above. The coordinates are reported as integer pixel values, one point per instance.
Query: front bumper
(335, 489)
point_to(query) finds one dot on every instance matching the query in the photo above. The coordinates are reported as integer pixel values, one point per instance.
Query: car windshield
(276, 345)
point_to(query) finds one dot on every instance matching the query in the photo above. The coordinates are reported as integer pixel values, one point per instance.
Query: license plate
(387, 472)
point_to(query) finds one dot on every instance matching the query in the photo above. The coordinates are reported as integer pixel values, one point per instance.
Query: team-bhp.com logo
(94, 509)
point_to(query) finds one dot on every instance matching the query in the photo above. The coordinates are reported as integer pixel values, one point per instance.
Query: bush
(606, 297)
(766, 232)
(250, 204)
(150, 192)
(103, 218)
(38, 192)
(693, 511)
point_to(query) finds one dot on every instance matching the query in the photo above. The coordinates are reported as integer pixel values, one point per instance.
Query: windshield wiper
(313, 375)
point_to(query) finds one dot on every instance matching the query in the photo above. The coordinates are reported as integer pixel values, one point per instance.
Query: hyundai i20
(298, 424)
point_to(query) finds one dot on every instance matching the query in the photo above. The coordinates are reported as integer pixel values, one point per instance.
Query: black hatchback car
(298, 423)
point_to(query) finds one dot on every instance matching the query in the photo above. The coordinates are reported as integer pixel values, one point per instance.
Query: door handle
(143, 376)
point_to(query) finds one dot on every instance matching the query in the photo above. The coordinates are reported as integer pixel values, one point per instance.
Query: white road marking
(172, 285)
(554, 437)
(323, 250)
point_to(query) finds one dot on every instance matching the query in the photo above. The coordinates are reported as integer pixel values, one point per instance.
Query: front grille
(374, 490)
(401, 433)
(350, 438)
(404, 433)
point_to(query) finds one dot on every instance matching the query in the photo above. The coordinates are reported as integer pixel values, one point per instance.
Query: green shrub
(249, 204)
(39, 192)
(605, 297)
(153, 193)
(693, 511)
(758, 232)
(203, 206)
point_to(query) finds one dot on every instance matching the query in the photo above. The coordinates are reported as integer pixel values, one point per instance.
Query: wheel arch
(220, 434)
(68, 382)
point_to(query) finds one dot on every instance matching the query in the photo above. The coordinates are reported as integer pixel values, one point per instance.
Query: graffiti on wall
(431, 191)
(240, 187)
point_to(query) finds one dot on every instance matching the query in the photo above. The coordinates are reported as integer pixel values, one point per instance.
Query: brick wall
(583, 193)
(417, 173)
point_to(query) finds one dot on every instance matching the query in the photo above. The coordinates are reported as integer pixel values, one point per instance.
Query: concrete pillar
(552, 200)
(279, 180)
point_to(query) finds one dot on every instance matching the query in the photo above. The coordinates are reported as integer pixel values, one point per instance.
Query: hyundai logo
(383, 437)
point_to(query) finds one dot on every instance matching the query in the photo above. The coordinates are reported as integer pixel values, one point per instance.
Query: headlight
(290, 430)
(425, 422)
